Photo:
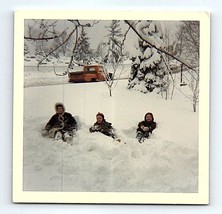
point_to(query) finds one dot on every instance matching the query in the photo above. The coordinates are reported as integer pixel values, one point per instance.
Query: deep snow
(167, 162)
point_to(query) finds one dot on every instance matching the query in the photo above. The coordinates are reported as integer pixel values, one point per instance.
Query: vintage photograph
(112, 105)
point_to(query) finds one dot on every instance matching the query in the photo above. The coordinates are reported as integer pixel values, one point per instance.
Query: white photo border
(20, 196)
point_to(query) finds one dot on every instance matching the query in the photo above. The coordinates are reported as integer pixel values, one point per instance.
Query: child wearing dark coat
(101, 125)
(145, 127)
(62, 125)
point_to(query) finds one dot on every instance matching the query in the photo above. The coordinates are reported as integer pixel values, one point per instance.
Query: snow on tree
(114, 52)
(55, 43)
(82, 52)
(189, 39)
(55, 37)
(65, 48)
(148, 71)
(101, 52)
(41, 48)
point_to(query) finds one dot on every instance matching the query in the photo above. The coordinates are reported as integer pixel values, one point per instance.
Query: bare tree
(185, 51)
(189, 36)
(146, 38)
(114, 54)
(170, 40)
(44, 30)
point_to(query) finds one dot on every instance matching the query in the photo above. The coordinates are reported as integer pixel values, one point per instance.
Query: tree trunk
(194, 104)
(194, 107)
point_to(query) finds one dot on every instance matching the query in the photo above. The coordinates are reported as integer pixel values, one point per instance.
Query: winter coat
(104, 127)
(64, 122)
(145, 127)
(150, 125)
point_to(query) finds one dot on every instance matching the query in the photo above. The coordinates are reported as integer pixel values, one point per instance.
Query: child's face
(60, 109)
(99, 119)
(149, 118)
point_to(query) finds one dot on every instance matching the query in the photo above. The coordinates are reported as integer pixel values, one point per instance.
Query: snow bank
(167, 162)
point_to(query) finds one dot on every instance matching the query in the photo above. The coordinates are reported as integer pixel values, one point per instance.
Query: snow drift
(165, 163)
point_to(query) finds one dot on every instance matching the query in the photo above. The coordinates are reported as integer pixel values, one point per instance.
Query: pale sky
(98, 32)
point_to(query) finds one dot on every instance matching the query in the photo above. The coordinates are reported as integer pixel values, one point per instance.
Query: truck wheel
(93, 80)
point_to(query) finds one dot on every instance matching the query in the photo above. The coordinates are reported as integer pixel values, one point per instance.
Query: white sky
(99, 31)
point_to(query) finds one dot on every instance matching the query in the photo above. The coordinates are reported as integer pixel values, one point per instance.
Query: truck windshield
(91, 69)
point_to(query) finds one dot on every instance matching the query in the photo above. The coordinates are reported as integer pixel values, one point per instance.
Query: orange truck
(90, 73)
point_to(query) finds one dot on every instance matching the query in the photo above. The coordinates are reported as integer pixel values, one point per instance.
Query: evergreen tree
(114, 53)
(148, 70)
(101, 52)
(82, 51)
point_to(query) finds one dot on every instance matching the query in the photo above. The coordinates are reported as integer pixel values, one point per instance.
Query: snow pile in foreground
(167, 162)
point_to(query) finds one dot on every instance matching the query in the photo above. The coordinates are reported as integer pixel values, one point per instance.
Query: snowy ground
(167, 162)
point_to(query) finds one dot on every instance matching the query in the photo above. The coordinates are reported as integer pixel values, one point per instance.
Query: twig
(161, 50)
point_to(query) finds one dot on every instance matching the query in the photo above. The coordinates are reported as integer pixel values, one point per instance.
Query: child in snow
(62, 125)
(101, 125)
(145, 127)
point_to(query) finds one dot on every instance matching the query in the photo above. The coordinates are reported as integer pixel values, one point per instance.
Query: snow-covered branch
(147, 39)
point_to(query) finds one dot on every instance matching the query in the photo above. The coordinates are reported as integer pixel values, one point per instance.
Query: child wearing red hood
(101, 125)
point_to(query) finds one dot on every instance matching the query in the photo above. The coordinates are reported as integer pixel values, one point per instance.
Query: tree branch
(39, 39)
(152, 45)
(45, 38)
(64, 42)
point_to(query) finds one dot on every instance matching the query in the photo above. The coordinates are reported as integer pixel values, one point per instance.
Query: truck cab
(90, 73)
